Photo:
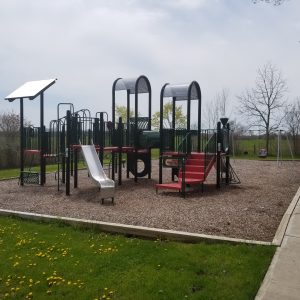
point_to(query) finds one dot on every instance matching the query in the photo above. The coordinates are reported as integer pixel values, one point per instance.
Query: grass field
(252, 146)
(54, 261)
(10, 173)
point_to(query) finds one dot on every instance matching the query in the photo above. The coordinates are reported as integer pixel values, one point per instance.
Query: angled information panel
(30, 89)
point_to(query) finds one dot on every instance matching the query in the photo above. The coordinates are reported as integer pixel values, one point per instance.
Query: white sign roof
(30, 89)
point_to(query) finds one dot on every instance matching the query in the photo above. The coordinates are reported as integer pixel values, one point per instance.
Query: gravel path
(251, 210)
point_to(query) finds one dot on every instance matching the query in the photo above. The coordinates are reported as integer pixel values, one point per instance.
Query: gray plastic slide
(107, 186)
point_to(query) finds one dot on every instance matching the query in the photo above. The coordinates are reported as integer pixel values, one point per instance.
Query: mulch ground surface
(250, 210)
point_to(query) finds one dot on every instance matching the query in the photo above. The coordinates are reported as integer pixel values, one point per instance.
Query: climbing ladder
(192, 172)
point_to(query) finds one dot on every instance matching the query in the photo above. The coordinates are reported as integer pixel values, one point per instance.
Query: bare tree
(274, 2)
(9, 122)
(217, 108)
(292, 120)
(263, 103)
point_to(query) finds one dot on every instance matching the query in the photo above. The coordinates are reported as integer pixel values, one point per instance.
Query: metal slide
(107, 186)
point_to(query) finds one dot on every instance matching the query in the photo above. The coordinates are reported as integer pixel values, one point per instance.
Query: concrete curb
(140, 231)
(279, 235)
(277, 241)
(262, 290)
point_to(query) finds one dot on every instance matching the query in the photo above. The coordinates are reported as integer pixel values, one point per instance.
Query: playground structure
(189, 153)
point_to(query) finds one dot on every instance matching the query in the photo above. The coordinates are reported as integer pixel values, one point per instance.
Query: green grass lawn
(252, 146)
(9, 173)
(54, 261)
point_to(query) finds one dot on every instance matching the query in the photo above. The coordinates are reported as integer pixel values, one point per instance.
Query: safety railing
(185, 145)
(210, 153)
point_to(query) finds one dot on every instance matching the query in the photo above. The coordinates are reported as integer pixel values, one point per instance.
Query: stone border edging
(8, 178)
(139, 231)
(279, 235)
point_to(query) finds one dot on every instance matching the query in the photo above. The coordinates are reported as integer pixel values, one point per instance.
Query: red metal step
(194, 161)
(194, 172)
(170, 186)
(197, 155)
(194, 168)
(193, 175)
(177, 185)
(192, 181)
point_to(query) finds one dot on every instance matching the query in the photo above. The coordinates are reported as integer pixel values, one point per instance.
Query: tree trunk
(267, 141)
(294, 143)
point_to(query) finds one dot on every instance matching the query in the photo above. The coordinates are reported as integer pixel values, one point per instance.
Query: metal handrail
(184, 141)
(211, 146)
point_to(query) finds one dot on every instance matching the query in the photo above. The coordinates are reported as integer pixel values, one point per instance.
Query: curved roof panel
(180, 91)
(129, 84)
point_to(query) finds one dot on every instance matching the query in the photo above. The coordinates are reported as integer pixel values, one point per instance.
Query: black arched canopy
(181, 92)
(133, 86)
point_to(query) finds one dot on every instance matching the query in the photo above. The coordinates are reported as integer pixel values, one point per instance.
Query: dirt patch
(251, 210)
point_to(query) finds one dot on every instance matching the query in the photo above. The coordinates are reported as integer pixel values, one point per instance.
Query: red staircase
(195, 172)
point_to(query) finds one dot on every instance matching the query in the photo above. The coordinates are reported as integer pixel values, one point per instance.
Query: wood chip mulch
(251, 210)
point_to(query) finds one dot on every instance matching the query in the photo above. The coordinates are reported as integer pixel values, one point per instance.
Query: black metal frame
(222, 136)
(135, 128)
(42, 131)
(188, 127)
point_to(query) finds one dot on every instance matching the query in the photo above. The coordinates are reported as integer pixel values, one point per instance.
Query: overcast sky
(87, 44)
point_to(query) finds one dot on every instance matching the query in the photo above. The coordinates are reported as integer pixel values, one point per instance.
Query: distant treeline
(9, 150)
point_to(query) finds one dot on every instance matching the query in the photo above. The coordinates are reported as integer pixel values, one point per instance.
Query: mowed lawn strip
(13, 173)
(54, 261)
